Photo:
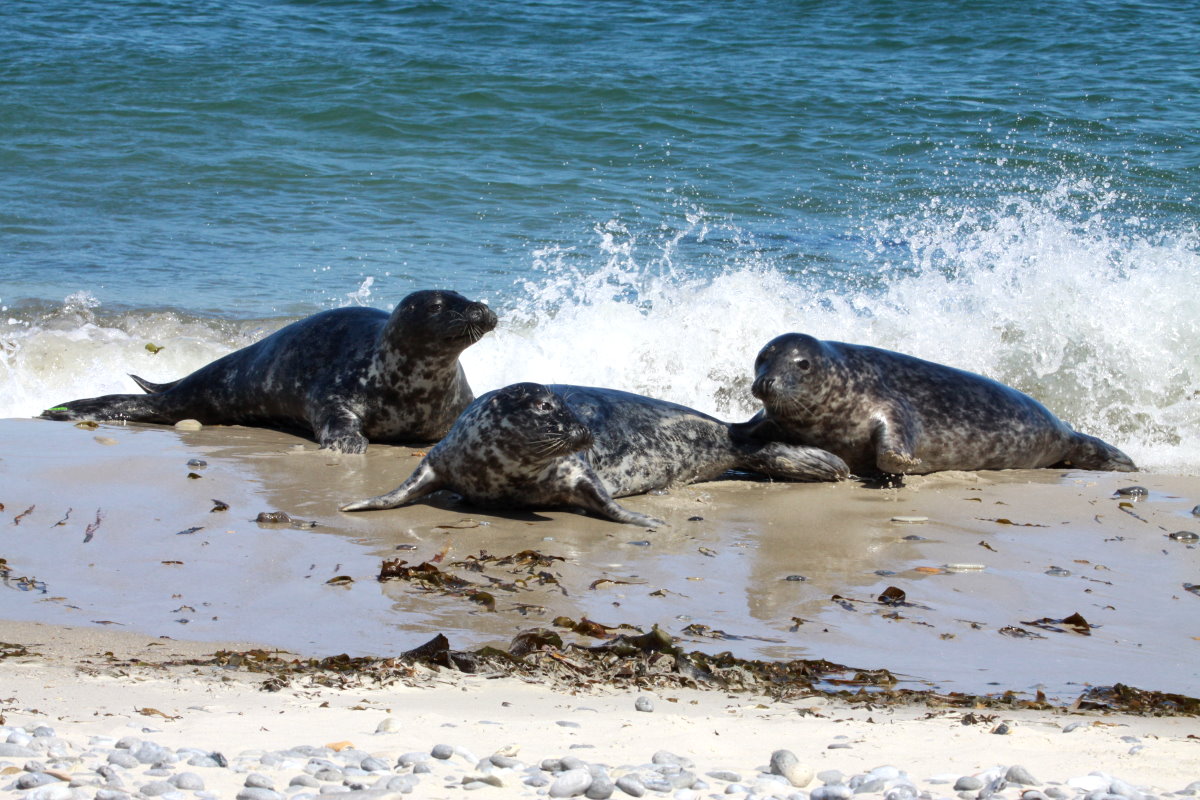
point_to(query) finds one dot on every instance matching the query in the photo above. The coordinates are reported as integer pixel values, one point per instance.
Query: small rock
(260, 781)
(831, 791)
(156, 789)
(32, 780)
(408, 759)
(785, 763)
(1018, 774)
(571, 783)
(388, 725)
(724, 775)
(1002, 729)
(631, 785)
(188, 425)
(442, 751)
(258, 793)
(968, 783)
(305, 780)
(643, 704)
(667, 757)
(831, 776)
(10, 750)
(1136, 492)
(188, 781)
(373, 764)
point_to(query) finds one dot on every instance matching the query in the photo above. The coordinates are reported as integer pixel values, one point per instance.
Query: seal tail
(152, 388)
(1088, 452)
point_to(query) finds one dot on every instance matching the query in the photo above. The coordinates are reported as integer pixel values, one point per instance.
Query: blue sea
(646, 193)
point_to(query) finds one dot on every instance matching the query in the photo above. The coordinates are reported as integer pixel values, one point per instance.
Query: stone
(570, 783)
(644, 704)
(631, 785)
(785, 763)
(1018, 774)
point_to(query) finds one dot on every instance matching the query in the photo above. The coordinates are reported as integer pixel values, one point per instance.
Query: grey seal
(892, 413)
(347, 376)
(534, 446)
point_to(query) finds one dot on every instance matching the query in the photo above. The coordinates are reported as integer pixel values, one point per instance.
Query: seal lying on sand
(887, 412)
(534, 446)
(348, 375)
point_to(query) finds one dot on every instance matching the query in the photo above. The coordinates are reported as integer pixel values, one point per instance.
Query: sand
(97, 533)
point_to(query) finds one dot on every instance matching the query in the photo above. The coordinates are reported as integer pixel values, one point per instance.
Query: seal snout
(763, 387)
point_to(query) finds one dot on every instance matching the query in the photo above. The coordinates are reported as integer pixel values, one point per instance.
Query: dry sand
(96, 531)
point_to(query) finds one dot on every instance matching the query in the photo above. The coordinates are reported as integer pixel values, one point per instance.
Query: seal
(347, 376)
(887, 412)
(534, 446)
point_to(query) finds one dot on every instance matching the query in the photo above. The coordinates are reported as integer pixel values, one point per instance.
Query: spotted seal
(534, 446)
(888, 412)
(348, 376)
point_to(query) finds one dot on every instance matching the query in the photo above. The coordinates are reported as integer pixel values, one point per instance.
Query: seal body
(883, 411)
(534, 446)
(347, 376)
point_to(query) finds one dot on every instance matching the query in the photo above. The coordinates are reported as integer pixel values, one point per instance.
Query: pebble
(107, 769)
(644, 704)
(785, 763)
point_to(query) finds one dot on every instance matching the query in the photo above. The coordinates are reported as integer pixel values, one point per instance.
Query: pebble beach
(130, 721)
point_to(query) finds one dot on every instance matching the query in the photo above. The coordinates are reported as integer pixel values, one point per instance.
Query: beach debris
(17, 519)
(708, 551)
(485, 599)
(1007, 521)
(1058, 572)
(197, 463)
(1134, 492)
(195, 476)
(1194, 588)
(1183, 536)
(987, 546)
(1196, 511)
(107, 441)
(1075, 623)
(795, 578)
(218, 505)
(271, 518)
(189, 531)
(534, 639)
(1019, 633)
(87, 425)
(153, 349)
(893, 596)
(928, 570)
(340, 580)
(905, 520)
(461, 524)
(92, 527)
(964, 567)
(61, 522)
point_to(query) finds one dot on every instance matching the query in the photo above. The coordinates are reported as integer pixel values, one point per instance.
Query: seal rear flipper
(152, 388)
(423, 481)
(114, 407)
(1088, 452)
(591, 495)
(792, 462)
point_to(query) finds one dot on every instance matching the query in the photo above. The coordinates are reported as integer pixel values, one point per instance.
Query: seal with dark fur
(348, 376)
(886, 412)
(534, 446)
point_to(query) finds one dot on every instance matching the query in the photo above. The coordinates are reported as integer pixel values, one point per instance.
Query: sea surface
(645, 192)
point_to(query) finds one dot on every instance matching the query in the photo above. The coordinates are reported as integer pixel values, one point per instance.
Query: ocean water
(645, 192)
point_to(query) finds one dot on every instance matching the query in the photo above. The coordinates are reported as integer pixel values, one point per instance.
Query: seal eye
(803, 363)
(434, 307)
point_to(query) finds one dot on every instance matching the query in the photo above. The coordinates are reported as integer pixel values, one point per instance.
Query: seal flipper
(895, 446)
(792, 462)
(341, 431)
(423, 481)
(591, 495)
(152, 388)
(114, 407)
(1088, 452)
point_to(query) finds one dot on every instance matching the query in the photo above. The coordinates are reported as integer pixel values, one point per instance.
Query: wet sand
(105, 530)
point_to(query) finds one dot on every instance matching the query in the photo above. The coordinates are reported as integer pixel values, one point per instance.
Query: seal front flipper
(591, 495)
(423, 481)
(895, 444)
(1088, 452)
(340, 431)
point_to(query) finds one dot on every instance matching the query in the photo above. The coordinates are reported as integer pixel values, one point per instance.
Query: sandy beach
(120, 541)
